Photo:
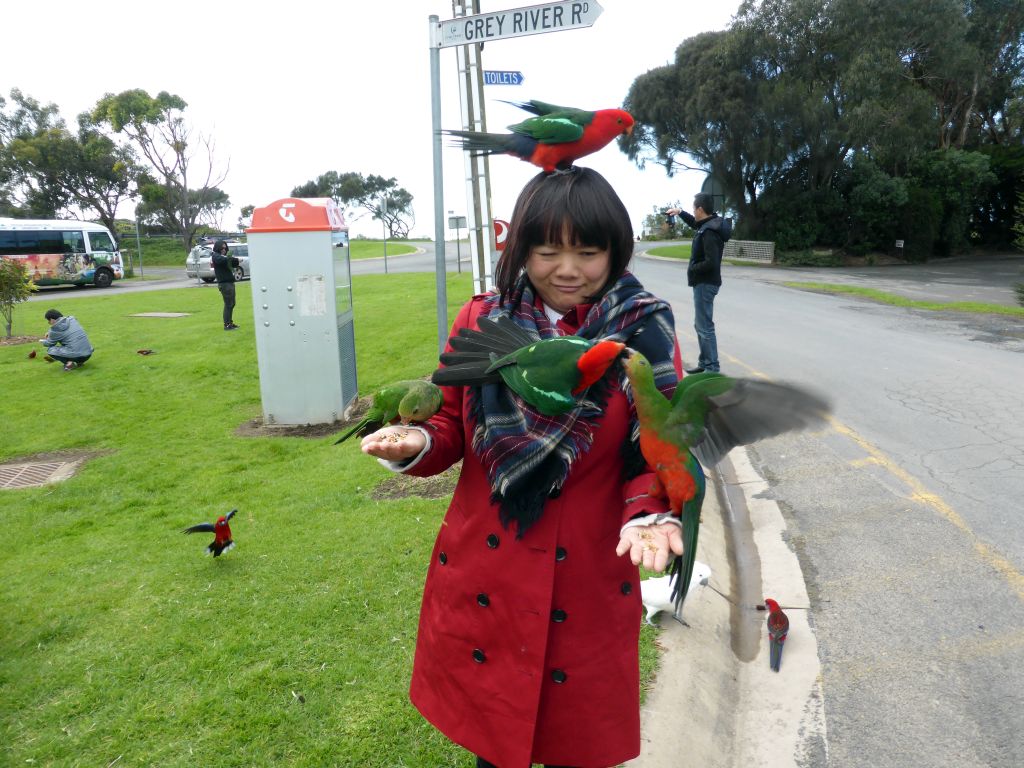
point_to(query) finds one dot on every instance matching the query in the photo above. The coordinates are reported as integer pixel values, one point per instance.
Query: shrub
(15, 287)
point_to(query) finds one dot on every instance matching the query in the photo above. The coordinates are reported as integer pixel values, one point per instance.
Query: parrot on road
(778, 628)
(709, 415)
(554, 138)
(221, 531)
(407, 401)
(546, 373)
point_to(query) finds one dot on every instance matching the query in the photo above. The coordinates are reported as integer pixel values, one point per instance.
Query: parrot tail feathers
(462, 373)
(474, 352)
(775, 654)
(494, 143)
(364, 424)
(219, 549)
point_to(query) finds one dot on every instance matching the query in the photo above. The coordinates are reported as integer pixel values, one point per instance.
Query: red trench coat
(528, 650)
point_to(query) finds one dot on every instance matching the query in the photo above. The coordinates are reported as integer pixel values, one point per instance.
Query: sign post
(481, 28)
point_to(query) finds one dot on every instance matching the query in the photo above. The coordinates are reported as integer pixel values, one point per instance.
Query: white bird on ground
(656, 594)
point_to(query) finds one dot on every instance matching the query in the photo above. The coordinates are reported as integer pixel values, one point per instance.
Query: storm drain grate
(32, 475)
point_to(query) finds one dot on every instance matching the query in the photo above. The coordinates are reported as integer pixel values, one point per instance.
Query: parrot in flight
(407, 401)
(554, 138)
(546, 373)
(221, 531)
(709, 415)
(778, 628)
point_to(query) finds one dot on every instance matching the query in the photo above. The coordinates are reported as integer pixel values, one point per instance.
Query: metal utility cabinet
(302, 309)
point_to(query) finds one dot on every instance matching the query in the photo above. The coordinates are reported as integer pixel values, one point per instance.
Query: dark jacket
(222, 266)
(706, 252)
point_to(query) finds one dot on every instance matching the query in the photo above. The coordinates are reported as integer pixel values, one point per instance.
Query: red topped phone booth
(302, 307)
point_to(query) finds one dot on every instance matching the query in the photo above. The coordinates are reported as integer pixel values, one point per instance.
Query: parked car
(201, 258)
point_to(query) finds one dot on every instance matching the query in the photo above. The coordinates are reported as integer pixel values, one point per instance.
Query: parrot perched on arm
(548, 374)
(552, 140)
(778, 628)
(221, 531)
(407, 401)
(708, 416)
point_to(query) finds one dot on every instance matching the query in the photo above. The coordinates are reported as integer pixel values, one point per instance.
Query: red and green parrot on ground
(708, 415)
(778, 629)
(554, 138)
(549, 374)
(410, 401)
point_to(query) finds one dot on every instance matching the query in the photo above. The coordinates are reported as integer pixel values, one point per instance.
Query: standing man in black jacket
(222, 266)
(704, 273)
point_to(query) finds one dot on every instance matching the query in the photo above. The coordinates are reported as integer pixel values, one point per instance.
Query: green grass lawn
(884, 297)
(122, 643)
(681, 251)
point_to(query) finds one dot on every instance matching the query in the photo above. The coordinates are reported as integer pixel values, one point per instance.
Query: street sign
(493, 77)
(516, 22)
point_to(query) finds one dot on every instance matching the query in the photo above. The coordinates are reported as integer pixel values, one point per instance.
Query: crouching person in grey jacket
(66, 341)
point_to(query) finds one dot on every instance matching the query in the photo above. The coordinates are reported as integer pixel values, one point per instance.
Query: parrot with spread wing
(778, 629)
(709, 415)
(554, 138)
(221, 531)
(546, 373)
(406, 401)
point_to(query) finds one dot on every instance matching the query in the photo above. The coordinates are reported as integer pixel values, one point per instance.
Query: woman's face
(567, 275)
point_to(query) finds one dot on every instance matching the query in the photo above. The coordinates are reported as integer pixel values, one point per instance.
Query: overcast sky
(292, 90)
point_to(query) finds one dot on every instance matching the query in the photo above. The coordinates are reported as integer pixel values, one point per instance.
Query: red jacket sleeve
(447, 431)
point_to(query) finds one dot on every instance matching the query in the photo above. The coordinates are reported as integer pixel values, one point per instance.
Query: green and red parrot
(548, 374)
(554, 138)
(778, 630)
(709, 415)
(221, 531)
(410, 401)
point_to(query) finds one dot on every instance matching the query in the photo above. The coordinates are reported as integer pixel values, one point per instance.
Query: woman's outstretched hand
(650, 545)
(396, 443)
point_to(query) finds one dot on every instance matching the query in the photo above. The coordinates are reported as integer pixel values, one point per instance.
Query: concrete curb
(715, 702)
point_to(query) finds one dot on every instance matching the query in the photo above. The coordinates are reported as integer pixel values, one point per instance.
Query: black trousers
(481, 763)
(227, 290)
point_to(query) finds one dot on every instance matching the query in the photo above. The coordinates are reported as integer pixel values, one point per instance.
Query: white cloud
(291, 90)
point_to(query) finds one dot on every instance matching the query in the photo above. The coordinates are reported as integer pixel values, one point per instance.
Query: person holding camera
(704, 273)
(222, 270)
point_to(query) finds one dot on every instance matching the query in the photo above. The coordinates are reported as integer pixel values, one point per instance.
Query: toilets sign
(516, 22)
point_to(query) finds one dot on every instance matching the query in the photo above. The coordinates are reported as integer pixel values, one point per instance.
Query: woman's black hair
(219, 246)
(579, 204)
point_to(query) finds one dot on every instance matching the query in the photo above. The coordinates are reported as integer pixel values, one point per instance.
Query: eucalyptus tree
(382, 198)
(182, 190)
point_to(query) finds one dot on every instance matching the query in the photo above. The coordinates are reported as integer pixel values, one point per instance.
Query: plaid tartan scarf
(527, 455)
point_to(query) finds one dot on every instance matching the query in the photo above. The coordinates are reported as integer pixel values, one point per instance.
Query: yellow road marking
(923, 496)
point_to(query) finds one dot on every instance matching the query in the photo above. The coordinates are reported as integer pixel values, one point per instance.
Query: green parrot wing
(556, 128)
(545, 373)
(715, 413)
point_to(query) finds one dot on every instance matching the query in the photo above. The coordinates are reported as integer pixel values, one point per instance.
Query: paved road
(905, 514)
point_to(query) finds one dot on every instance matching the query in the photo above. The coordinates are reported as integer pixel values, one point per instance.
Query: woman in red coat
(527, 645)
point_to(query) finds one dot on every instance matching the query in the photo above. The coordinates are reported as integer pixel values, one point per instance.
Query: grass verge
(122, 643)
(976, 307)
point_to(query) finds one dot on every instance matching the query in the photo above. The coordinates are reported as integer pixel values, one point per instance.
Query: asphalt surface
(904, 514)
